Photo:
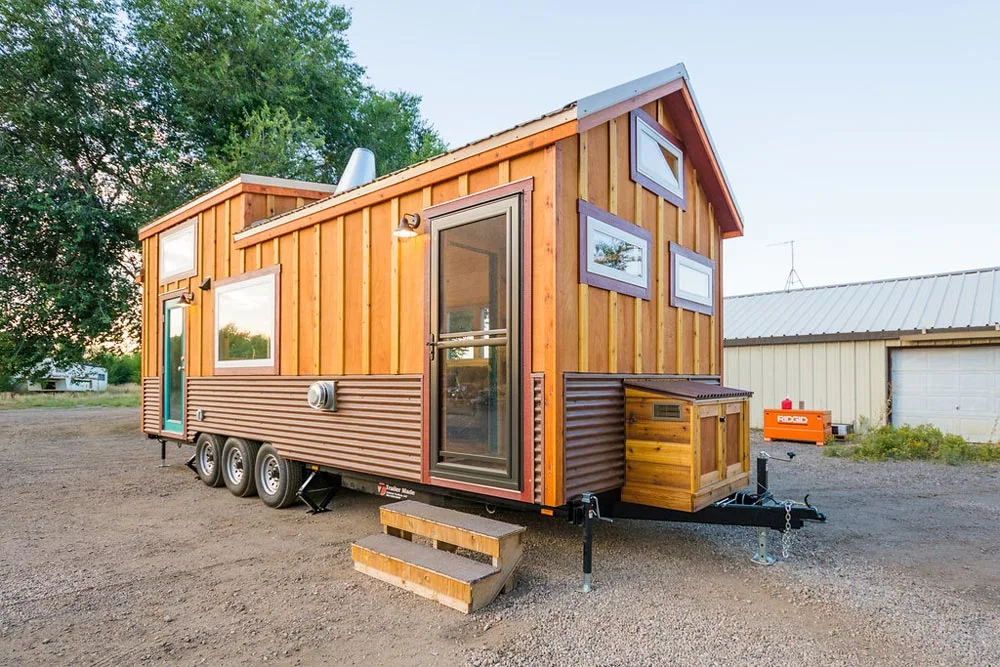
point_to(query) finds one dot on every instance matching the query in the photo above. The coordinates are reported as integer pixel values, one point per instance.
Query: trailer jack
(585, 511)
(305, 493)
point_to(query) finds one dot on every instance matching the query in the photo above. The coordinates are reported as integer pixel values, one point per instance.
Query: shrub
(915, 443)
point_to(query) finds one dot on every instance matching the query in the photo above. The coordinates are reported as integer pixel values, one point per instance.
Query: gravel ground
(107, 559)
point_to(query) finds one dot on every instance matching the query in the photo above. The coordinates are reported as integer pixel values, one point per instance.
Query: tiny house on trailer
(471, 325)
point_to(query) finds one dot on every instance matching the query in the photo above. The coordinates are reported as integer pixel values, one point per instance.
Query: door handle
(432, 346)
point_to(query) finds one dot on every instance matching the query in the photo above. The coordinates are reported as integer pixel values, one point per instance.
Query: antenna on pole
(793, 275)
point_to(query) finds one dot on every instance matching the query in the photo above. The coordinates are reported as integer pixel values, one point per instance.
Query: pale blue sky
(867, 132)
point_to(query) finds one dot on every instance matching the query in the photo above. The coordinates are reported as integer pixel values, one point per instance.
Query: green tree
(73, 141)
(115, 111)
(224, 70)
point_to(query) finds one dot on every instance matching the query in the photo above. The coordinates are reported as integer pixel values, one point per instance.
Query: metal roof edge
(592, 104)
(239, 179)
(946, 274)
(848, 336)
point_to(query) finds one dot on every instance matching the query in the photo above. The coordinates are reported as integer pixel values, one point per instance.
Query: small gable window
(657, 159)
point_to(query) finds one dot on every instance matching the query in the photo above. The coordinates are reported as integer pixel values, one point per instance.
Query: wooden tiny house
(487, 354)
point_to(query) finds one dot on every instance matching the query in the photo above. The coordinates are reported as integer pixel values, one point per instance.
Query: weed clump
(914, 443)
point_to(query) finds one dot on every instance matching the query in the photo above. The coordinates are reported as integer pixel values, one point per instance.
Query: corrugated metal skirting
(594, 429)
(376, 428)
(538, 431)
(151, 405)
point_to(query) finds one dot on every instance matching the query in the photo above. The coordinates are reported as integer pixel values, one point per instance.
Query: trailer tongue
(759, 509)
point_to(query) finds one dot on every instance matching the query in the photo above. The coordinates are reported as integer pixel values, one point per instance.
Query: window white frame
(595, 228)
(692, 280)
(267, 276)
(596, 223)
(644, 128)
(184, 235)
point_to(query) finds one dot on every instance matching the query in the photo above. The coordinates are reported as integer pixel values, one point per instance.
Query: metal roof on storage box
(880, 309)
(689, 389)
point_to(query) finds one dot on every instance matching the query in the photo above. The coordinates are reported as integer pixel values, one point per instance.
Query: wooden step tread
(461, 520)
(441, 562)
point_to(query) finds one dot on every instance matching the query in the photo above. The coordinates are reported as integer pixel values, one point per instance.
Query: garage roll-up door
(956, 389)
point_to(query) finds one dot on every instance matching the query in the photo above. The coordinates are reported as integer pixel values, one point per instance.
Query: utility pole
(793, 275)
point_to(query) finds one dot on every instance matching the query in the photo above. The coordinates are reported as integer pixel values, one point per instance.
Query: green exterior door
(173, 366)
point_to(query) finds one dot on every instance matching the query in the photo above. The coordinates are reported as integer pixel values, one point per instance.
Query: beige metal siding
(376, 428)
(848, 378)
(151, 405)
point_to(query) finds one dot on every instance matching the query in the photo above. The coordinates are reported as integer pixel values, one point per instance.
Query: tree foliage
(115, 111)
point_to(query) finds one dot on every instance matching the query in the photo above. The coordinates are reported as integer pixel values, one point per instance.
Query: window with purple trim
(692, 280)
(657, 159)
(614, 253)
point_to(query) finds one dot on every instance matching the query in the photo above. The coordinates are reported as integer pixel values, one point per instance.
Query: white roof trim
(251, 179)
(605, 99)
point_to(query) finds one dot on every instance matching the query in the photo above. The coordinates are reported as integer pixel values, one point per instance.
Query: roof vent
(360, 169)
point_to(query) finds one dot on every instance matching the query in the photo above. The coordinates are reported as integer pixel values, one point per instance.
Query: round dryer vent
(323, 395)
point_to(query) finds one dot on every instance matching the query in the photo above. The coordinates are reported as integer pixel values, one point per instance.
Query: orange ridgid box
(798, 425)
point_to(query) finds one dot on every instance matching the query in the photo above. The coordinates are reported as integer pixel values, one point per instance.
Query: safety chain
(786, 537)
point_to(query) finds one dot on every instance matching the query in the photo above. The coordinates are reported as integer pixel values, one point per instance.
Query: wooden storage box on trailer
(687, 444)
(486, 354)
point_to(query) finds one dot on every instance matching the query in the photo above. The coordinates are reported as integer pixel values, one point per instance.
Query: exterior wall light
(186, 299)
(407, 227)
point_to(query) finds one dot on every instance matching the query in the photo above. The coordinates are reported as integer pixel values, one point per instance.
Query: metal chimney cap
(360, 170)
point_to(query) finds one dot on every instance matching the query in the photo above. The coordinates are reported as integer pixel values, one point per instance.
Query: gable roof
(672, 83)
(240, 183)
(963, 300)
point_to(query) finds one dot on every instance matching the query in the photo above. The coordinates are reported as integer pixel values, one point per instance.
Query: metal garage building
(911, 350)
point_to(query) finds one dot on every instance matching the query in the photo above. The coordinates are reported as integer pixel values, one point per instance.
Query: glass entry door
(173, 366)
(474, 345)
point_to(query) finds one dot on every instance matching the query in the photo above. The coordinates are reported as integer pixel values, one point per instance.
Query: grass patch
(914, 443)
(117, 396)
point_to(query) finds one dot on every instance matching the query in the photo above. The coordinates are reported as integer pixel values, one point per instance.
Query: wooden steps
(436, 571)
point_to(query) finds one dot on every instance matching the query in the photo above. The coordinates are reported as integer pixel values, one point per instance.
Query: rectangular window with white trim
(657, 158)
(614, 253)
(246, 323)
(692, 280)
(178, 252)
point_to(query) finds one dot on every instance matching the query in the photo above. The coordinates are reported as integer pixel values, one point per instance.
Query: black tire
(239, 460)
(208, 459)
(277, 478)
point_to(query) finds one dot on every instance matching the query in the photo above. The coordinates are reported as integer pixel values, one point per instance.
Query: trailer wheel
(208, 459)
(239, 457)
(277, 478)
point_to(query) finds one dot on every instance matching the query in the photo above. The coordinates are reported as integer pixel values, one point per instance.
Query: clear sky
(868, 132)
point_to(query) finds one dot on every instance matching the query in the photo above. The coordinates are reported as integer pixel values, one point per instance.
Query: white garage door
(956, 389)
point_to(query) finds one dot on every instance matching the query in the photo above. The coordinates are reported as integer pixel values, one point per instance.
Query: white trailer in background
(77, 377)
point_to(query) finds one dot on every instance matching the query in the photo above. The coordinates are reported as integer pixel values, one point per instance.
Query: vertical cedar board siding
(376, 428)
(594, 430)
(538, 431)
(151, 405)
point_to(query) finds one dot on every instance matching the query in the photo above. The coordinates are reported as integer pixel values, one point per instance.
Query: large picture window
(614, 253)
(178, 252)
(692, 280)
(657, 158)
(246, 322)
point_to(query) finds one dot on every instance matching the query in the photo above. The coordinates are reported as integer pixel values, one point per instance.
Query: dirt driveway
(107, 559)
